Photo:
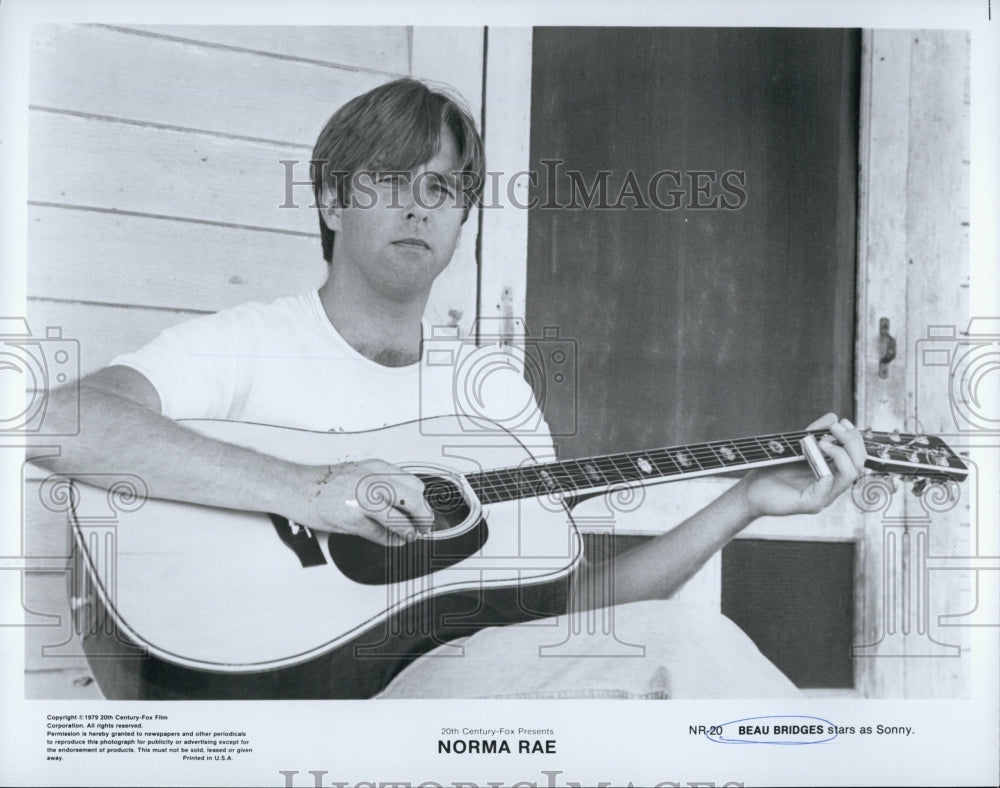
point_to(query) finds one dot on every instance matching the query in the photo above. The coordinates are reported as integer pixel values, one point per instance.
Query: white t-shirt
(285, 364)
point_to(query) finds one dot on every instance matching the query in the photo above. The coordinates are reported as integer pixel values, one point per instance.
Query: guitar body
(177, 601)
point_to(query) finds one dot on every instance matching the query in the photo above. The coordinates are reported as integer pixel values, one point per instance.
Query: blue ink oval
(781, 729)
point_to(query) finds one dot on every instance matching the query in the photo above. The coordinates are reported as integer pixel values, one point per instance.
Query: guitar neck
(891, 452)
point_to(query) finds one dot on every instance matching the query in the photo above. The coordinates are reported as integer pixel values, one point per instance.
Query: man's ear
(330, 210)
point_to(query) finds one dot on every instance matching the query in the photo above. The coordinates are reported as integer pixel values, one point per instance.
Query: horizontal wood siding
(171, 264)
(381, 49)
(153, 80)
(164, 173)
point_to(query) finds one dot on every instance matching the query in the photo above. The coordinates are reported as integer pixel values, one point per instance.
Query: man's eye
(391, 178)
(440, 187)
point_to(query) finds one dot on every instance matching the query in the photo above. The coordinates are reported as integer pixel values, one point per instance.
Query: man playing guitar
(402, 166)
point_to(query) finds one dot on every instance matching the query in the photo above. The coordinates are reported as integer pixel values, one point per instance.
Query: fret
(536, 480)
(592, 471)
(527, 481)
(774, 448)
(500, 482)
(563, 478)
(753, 451)
(615, 469)
(665, 463)
(794, 449)
(477, 485)
(602, 467)
(520, 482)
(489, 486)
(685, 459)
(492, 486)
(728, 453)
(706, 458)
(583, 474)
(642, 465)
(623, 467)
(506, 484)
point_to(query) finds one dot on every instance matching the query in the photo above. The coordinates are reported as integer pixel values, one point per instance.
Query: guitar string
(607, 470)
(559, 476)
(700, 453)
(611, 472)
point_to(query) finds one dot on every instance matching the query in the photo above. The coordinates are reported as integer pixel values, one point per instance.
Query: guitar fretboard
(908, 454)
(609, 470)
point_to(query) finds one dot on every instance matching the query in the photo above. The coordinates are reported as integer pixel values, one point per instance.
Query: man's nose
(414, 204)
(416, 213)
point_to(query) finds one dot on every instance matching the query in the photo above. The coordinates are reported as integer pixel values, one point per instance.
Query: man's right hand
(371, 498)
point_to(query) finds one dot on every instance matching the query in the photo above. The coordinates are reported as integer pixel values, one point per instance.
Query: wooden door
(694, 237)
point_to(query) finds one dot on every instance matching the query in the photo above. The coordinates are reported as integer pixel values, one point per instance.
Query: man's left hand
(794, 489)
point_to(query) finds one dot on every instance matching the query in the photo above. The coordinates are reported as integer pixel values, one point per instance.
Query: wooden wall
(913, 260)
(155, 194)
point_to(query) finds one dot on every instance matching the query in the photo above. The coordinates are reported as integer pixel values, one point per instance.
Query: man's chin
(408, 289)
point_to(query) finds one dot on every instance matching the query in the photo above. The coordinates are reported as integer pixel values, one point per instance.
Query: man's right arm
(122, 429)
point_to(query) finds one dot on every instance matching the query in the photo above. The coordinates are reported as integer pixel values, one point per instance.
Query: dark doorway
(716, 300)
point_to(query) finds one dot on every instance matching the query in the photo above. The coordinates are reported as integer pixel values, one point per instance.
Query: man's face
(399, 231)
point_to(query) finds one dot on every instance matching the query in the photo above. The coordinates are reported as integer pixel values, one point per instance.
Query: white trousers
(659, 649)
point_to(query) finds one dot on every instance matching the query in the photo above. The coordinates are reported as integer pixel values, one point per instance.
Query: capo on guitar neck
(810, 449)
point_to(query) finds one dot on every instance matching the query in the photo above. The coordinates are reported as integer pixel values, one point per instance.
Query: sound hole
(445, 499)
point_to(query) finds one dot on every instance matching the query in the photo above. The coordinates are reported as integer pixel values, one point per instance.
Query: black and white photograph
(480, 394)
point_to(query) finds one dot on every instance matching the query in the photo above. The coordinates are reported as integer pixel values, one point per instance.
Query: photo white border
(620, 743)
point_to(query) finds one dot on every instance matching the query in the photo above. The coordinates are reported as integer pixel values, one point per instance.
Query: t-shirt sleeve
(199, 367)
(509, 400)
(538, 437)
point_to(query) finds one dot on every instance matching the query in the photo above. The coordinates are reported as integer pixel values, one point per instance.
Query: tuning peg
(894, 435)
(867, 434)
(921, 440)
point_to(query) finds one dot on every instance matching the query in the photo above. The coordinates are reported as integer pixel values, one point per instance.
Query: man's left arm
(657, 569)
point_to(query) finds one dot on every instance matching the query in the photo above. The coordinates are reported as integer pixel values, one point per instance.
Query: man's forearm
(118, 435)
(658, 568)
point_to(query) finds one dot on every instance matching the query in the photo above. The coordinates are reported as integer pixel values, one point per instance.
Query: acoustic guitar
(179, 601)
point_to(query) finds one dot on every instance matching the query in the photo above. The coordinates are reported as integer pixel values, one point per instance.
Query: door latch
(886, 347)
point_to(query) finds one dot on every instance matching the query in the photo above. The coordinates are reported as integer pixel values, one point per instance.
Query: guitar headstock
(912, 455)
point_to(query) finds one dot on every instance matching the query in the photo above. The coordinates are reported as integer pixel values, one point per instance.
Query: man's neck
(383, 330)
